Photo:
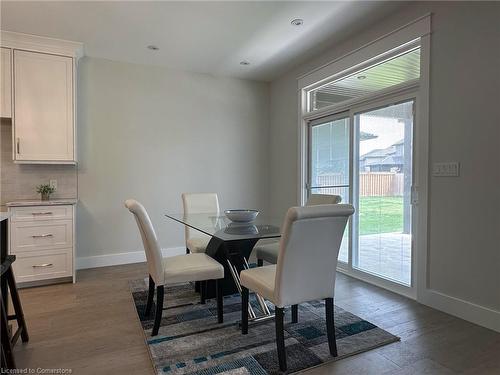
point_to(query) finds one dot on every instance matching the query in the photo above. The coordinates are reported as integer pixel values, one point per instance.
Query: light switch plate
(53, 183)
(447, 169)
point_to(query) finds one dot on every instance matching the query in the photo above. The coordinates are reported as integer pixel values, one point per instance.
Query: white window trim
(398, 51)
(417, 29)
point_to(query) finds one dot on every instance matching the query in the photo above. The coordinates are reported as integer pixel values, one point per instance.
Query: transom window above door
(391, 69)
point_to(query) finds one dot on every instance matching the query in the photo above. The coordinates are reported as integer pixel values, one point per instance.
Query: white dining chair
(269, 251)
(172, 270)
(306, 268)
(198, 203)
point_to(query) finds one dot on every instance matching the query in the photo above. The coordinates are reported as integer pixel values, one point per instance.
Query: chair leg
(260, 262)
(159, 309)
(244, 310)
(220, 301)
(330, 327)
(280, 337)
(295, 313)
(16, 303)
(151, 293)
(203, 292)
(8, 360)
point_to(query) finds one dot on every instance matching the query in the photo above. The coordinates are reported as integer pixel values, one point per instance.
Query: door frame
(410, 94)
(420, 29)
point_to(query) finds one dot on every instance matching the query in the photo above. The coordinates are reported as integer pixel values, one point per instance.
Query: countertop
(4, 216)
(51, 202)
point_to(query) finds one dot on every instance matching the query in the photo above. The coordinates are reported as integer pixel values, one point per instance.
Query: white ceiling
(205, 37)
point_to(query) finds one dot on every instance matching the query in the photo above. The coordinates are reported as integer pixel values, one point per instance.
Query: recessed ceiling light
(244, 62)
(361, 77)
(297, 22)
(153, 47)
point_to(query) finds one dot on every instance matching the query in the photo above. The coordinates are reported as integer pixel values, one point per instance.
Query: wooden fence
(371, 184)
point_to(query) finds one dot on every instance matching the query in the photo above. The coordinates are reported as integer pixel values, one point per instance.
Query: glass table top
(218, 225)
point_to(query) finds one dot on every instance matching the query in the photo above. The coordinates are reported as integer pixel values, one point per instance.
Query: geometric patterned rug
(190, 341)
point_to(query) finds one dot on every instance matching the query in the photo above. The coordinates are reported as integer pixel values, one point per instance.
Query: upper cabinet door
(43, 107)
(6, 83)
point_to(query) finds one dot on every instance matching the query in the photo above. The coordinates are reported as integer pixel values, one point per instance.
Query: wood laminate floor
(91, 327)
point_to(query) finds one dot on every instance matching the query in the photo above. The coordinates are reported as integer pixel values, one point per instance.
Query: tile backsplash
(19, 181)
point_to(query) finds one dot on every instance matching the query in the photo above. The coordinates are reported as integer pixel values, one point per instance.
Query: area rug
(190, 340)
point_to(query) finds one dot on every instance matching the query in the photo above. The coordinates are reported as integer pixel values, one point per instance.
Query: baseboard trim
(122, 258)
(460, 308)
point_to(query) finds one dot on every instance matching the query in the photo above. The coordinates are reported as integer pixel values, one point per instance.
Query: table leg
(217, 250)
(238, 261)
(233, 255)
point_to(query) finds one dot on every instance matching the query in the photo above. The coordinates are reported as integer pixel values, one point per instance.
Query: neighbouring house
(389, 159)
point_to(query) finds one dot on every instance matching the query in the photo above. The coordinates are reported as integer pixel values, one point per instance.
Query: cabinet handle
(42, 235)
(42, 265)
(18, 141)
(41, 213)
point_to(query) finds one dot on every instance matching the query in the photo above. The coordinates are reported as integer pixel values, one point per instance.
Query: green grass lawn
(380, 215)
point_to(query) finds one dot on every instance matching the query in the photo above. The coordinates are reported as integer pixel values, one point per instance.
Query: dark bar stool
(8, 280)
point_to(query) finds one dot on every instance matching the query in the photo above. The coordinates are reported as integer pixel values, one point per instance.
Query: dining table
(231, 244)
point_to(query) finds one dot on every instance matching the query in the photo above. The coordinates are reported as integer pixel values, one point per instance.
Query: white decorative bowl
(241, 216)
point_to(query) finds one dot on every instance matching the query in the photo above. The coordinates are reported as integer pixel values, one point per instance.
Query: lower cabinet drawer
(41, 213)
(32, 235)
(43, 265)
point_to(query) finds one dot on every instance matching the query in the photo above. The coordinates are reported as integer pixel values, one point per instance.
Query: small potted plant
(45, 190)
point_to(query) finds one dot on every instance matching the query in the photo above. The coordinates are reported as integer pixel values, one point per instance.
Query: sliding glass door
(382, 189)
(373, 170)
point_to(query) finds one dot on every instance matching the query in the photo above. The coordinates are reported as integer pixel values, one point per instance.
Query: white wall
(464, 212)
(151, 133)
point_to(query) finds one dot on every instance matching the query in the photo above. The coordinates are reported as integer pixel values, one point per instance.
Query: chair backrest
(149, 240)
(199, 203)
(315, 199)
(309, 249)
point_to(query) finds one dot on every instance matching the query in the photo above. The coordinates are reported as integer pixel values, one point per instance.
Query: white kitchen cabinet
(6, 83)
(42, 98)
(44, 125)
(42, 239)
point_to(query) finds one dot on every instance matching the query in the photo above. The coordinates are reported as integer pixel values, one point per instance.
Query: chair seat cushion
(198, 244)
(260, 280)
(268, 252)
(191, 267)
